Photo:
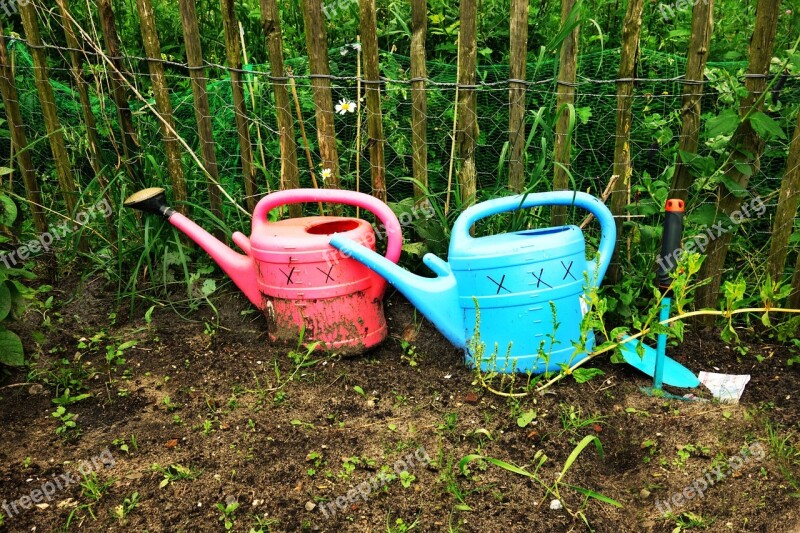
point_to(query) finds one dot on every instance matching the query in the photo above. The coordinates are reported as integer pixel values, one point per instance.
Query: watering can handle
(460, 236)
(297, 196)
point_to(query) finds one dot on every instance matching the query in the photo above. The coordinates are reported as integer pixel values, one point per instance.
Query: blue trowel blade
(675, 374)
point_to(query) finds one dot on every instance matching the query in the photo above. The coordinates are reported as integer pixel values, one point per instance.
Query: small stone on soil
(310, 506)
(555, 505)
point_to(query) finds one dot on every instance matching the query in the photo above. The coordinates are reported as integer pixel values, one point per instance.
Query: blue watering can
(528, 285)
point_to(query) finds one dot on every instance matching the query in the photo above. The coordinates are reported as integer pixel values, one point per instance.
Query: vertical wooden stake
(95, 154)
(270, 20)
(250, 86)
(467, 131)
(152, 47)
(305, 140)
(19, 141)
(746, 146)
(788, 200)
(702, 27)
(317, 44)
(419, 103)
(369, 41)
(516, 94)
(622, 149)
(234, 55)
(194, 57)
(567, 74)
(119, 93)
(54, 132)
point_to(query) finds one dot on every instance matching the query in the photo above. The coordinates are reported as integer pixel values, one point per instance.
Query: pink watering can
(290, 271)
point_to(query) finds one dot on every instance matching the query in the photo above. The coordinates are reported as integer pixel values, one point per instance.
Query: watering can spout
(240, 268)
(436, 298)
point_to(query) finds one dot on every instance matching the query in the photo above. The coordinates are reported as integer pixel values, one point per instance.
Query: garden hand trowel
(655, 362)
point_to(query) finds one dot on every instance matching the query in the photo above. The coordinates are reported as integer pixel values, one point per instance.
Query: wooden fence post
(95, 152)
(518, 56)
(788, 200)
(794, 298)
(96, 158)
(152, 47)
(746, 146)
(54, 132)
(119, 93)
(467, 128)
(702, 27)
(234, 54)
(622, 151)
(317, 44)
(270, 20)
(419, 102)
(194, 58)
(567, 74)
(19, 139)
(369, 41)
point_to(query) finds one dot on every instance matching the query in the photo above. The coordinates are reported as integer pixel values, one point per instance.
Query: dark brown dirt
(283, 440)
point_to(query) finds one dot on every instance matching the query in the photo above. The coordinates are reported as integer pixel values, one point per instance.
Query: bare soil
(283, 434)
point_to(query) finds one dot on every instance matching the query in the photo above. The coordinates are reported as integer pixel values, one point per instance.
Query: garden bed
(195, 415)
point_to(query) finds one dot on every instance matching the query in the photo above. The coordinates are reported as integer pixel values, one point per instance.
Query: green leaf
(584, 114)
(359, 390)
(11, 353)
(723, 124)
(701, 166)
(209, 286)
(5, 300)
(8, 210)
(733, 186)
(582, 375)
(125, 345)
(577, 451)
(526, 418)
(462, 464)
(596, 495)
(766, 127)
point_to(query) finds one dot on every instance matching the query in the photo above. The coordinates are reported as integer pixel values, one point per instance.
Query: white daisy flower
(345, 106)
(326, 173)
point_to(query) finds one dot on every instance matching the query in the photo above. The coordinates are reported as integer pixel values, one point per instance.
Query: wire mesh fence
(653, 137)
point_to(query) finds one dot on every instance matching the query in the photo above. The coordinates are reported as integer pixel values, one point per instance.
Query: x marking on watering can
(327, 274)
(289, 280)
(499, 285)
(567, 268)
(539, 279)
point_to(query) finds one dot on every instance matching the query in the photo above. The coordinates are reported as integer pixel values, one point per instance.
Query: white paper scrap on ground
(725, 387)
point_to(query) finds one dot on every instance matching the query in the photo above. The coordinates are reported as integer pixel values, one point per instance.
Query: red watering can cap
(674, 205)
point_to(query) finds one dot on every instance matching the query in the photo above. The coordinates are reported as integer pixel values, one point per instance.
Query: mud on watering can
(514, 278)
(293, 275)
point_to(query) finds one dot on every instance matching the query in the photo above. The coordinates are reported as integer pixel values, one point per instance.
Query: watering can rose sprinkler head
(152, 200)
